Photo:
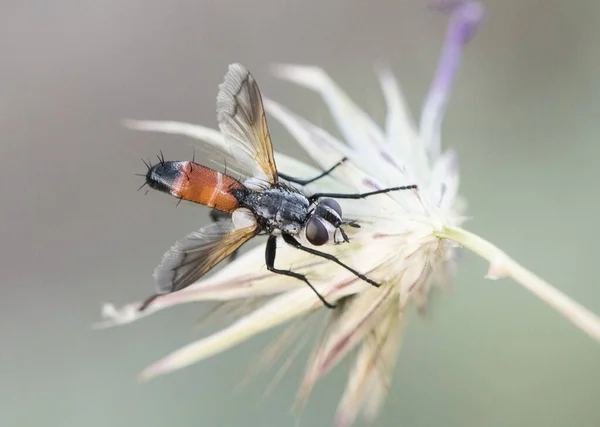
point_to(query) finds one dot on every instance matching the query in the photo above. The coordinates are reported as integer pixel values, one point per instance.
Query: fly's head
(325, 223)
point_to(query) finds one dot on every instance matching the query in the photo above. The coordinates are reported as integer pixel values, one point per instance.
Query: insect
(262, 204)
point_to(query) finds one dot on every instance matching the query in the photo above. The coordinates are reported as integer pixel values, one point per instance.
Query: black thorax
(276, 208)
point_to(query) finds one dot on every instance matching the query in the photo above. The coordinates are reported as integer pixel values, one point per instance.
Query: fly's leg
(317, 196)
(217, 215)
(290, 240)
(308, 181)
(270, 253)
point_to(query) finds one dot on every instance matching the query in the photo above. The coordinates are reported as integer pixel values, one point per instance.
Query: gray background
(74, 232)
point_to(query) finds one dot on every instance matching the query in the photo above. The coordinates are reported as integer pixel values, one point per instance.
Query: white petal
(202, 133)
(444, 181)
(327, 150)
(357, 127)
(400, 130)
(399, 124)
(278, 310)
(358, 316)
(324, 148)
(390, 337)
(401, 133)
(359, 130)
(372, 371)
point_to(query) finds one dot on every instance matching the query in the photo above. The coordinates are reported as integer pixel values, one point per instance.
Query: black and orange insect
(261, 204)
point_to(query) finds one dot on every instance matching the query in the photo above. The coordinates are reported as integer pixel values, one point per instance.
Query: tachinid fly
(261, 204)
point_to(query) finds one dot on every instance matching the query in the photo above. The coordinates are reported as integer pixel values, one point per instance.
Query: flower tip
(108, 314)
(470, 16)
(148, 125)
(149, 373)
(384, 71)
(108, 309)
(113, 316)
(161, 367)
(303, 75)
(281, 70)
(496, 271)
(382, 67)
(467, 15)
(133, 124)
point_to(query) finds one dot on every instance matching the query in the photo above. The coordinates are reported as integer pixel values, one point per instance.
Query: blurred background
(74, 233)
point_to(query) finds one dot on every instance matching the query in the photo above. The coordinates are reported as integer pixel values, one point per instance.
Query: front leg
(317, 196)
(270, 253)
(292, 241)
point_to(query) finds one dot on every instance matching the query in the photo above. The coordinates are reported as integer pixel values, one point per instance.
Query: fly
(261, 204)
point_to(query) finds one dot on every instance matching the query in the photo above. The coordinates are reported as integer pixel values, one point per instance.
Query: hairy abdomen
(196, 183)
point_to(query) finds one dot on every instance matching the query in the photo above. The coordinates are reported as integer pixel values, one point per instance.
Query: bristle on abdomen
(196, 183)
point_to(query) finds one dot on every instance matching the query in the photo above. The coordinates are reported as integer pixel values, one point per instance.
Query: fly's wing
(196, 254)
(243, 123)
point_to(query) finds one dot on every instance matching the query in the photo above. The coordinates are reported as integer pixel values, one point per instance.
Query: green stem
(501, 265)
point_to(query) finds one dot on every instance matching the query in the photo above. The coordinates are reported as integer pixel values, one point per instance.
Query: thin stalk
(501, 265)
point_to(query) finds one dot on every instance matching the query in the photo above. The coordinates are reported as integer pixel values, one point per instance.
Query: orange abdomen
(196, 183)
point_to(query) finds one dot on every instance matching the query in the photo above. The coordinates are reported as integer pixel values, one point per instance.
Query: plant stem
(501, 265)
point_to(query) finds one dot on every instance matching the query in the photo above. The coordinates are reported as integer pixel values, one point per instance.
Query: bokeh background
(74, 232)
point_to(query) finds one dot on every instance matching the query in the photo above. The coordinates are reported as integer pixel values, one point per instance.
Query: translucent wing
(196, 254)
(243, 123)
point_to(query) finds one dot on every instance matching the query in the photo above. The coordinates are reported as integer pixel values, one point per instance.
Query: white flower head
(398, 245)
